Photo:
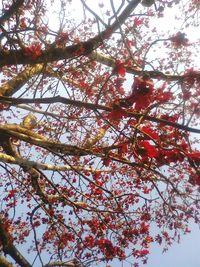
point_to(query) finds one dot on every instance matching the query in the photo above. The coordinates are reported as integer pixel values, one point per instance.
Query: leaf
(120, 69)
(179, 40)
(151, 151)
(117, 114)
(147, 130)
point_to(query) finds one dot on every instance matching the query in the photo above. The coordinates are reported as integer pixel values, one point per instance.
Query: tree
(99, 130)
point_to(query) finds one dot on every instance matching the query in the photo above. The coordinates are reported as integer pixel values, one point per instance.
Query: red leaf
(151, 151)
(137, 21)
(34, 50)
(179, 39)
(140, 253)
(120, 69)
(151, 133)
(117, 113)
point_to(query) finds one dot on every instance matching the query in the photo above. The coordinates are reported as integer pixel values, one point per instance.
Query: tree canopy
(99, 131)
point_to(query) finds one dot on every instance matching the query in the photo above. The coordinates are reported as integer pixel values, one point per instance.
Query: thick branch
(9, 248)
(72, 263)
(12, 86)
(110, 62)
(31, 137)
(7, 128)
(14, 57)
(32, 164)
(4, 262)
(91, 106)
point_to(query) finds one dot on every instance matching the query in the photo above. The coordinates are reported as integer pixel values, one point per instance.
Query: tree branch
(4, 262)
(72, 263)
(32, 164)
(95, 107)
(14, 57)
(12, 86)
(110, 62)
(31, 137)
(9, 248)
(11, 11)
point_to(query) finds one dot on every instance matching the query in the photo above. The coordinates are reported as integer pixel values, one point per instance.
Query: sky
(184, 254)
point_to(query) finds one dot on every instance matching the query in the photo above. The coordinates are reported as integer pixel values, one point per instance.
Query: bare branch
(11, 11)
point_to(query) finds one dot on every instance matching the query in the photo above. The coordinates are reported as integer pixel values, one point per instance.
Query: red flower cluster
(149, 150)
(62, 38)
(137, 21)
(140, 253)
(34, 51)
(120, 69)
(109, 250)
(141, 96)
(117, 114)
(105, 246)
(179, 40)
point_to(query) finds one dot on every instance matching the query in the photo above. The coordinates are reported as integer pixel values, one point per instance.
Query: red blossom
(144, 228)
(130, 43)
(89, 241)
(122, 149)
(171, 156)
(172, 118)
(109, 250)
(138, 21)
(142, 90)
(145, 217)
(62, 38)
(195, 156)
(179, 40)
(163, 96)
(34, 51)
(147, 130)
(117, 113)
(194, 179)
(148, 239)
(150, 150)
(142, 86)
(120, 69)
(140, 253)
(141, 96)
(191, 77)
(106, 161)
